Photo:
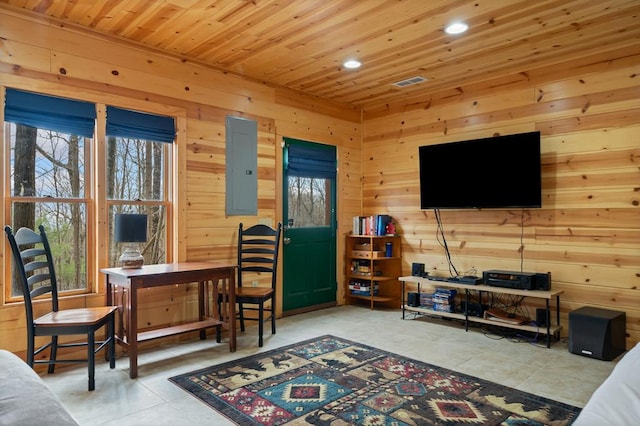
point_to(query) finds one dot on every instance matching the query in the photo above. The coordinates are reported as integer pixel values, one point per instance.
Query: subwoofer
(597, 333)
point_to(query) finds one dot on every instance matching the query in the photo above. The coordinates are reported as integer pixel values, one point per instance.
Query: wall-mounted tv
(495, 172)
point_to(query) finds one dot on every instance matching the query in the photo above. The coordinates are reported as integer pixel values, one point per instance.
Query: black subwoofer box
(597, 333)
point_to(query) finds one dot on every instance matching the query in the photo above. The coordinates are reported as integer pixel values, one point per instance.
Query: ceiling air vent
(409, 81)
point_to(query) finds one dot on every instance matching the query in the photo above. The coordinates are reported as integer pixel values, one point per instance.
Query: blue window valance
(50, 112)
(140, 125)
(307, 161)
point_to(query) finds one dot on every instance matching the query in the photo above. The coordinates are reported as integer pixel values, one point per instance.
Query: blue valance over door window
(50, 112)
(140, 125)
(310, 161)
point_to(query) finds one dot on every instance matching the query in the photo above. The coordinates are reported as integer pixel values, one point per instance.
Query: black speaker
(543, 281)
(541, 317)
(413, 299)
(417, 269)
(597, 333)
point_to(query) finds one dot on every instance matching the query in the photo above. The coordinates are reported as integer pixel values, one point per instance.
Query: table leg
(547, 313)
(231, 282)
(132, 330)
(403, 290)
(466, 310)
(110, 302)
(201, 306)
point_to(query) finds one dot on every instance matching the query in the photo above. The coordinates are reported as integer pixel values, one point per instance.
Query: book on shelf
(363, 287)
(443, 308)
(375, 225)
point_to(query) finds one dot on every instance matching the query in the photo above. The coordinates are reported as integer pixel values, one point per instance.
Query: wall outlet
(254, 283)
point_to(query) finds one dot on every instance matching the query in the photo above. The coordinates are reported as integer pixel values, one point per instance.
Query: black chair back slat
(39, 278)
(259, 250)
(249, 241)
(257, 259)
(36, 265)
(39, 291)
(31, 252)
(266, 269)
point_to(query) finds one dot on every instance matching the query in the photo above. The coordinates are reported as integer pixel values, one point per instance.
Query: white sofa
(617, 399)
(25, 399)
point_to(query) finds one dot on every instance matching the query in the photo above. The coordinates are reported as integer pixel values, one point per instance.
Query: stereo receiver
(510, 279)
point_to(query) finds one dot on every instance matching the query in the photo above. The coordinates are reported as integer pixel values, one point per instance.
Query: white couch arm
(25, 399)
(617, 400)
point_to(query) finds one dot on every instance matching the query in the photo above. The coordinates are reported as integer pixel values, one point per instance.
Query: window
(49, 140)
(47, 187)
(137, 184)
(137, 151)
(52, 179)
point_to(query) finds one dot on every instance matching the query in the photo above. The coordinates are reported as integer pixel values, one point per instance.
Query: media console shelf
(549, 330)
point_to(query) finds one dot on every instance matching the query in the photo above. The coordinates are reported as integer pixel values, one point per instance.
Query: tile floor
(151, 399)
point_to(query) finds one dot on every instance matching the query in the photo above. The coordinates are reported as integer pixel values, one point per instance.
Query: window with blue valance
(310, 161)
(140, 125)
(50, 112)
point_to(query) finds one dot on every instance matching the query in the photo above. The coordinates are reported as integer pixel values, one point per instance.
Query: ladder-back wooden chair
(258, 248)
(35, 270)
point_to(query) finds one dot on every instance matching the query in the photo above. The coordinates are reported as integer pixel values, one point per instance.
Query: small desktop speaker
(413, 299)
(541, 317)
(417, 269)
(543, 281)
(597, 333)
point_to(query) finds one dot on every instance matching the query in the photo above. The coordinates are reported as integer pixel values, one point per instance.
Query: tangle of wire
(521, 241)
(442, 240)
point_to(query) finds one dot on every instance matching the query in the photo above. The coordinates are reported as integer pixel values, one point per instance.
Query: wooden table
(122, 291)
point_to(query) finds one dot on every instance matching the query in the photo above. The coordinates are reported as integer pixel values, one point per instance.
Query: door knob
(286, 240)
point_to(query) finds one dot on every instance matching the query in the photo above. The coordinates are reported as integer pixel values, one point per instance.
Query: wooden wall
(43, 57)
(588, 111)
(587, 233)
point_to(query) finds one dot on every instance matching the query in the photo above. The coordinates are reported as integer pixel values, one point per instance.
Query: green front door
(309, 237)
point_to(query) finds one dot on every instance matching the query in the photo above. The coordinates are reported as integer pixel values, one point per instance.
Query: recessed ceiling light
(456, 28)
(352, 63)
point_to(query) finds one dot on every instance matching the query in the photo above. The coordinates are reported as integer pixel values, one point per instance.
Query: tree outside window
(136, 184)
(48, 188)
(308, 201)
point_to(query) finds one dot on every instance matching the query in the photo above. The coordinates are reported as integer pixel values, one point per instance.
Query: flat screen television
(495, 172)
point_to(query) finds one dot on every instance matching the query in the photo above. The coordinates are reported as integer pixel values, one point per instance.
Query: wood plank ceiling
(302, 44)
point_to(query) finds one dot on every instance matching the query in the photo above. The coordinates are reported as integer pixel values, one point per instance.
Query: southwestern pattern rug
(334, 381)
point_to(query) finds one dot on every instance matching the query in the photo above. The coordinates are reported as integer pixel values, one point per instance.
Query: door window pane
(309, 202)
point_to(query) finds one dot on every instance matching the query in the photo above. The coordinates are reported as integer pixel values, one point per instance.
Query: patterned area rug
(333, 381)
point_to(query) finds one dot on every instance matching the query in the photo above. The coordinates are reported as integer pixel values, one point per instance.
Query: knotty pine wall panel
(587, 233)
(38, 56)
